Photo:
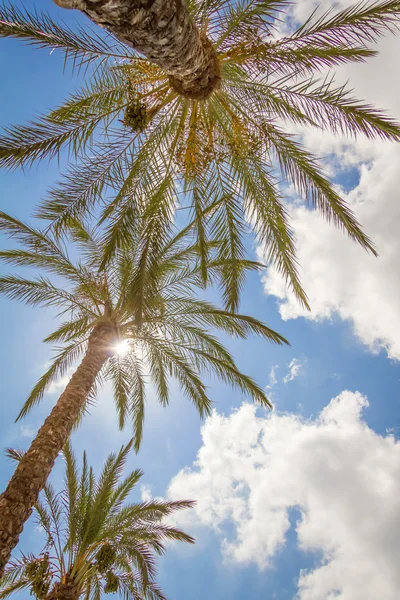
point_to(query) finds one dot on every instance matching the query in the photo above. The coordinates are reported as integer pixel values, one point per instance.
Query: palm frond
(148, 184)
(73, 124)
(247, 16)
(333, 108)
(158, 221)
(158, 373)
(80, 45)
(228, 227)
(120, 376)
(265, 209)
(69, 330)
(21, 584)
(71, 494)
(83, 185)
(122, 491)
(59, 367)
(41, 251)
(22, 145)
(363, 22)
(181, 369)
(301, 168)
(103, 493)
(137, 401)
(295, 58)
(242, 325)
(14, 454)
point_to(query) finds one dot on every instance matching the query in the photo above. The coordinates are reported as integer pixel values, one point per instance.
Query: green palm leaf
(80, 45)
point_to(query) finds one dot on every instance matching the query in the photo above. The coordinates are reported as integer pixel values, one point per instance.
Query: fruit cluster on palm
(185, 105)
(95, 541)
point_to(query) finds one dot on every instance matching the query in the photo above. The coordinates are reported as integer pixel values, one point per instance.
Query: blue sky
(351, 342)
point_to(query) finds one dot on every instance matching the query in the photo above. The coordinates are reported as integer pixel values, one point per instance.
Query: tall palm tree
(140, 130)
(96, 542)
(149, 306)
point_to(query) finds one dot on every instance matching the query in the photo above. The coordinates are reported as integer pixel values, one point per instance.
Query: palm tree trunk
(30, 476)
(64, 591)
(165, 33)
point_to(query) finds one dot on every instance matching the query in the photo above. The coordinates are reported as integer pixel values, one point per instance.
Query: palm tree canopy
(149, 294)
(141, 141)
(96, 542)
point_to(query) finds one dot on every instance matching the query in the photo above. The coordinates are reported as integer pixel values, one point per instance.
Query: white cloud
(295, 369)
(273, 380)
(58, 386)
(146, 493)
(342, 476)
(27, 431)
(339, 278)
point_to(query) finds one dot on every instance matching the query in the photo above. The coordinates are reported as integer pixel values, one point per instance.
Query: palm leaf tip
(14, 454)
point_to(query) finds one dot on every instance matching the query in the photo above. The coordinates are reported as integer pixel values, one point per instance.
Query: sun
(122, 348)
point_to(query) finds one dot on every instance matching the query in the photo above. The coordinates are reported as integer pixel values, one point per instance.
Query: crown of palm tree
(151, 304)
(96, 541)
(142, 140)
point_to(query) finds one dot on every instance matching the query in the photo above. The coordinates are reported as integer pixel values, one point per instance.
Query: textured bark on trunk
(30, 476)
(165, 33)
(64, 591)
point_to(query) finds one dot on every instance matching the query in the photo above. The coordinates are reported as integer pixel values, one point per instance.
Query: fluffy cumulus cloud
(342, 476)
(338, 276)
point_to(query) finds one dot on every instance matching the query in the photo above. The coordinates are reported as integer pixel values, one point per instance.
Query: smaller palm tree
(95, 542)
(145, 298)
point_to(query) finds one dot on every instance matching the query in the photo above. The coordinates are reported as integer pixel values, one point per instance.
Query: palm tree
(139, 129)
(95, 541)
(138, 318)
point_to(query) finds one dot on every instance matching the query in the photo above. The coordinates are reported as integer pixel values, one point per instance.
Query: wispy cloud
(145, 493)
(336, 376)
(295, 369)
(59, 386)
(27, 431)
(272, 379)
